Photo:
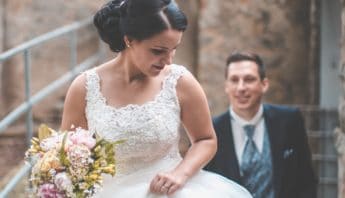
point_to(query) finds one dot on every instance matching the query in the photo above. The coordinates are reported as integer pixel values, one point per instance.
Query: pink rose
(81, 136)
(49, 190)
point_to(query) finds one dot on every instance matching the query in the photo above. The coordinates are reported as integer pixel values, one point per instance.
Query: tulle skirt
(204, 184)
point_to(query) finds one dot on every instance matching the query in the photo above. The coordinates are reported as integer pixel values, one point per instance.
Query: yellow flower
(50, 161)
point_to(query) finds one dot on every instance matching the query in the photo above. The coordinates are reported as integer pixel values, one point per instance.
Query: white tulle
(151, 139)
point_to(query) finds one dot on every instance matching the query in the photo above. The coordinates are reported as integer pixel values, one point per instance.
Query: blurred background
(302, 43)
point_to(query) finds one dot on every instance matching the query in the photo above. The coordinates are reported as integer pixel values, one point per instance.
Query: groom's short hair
(237, 56)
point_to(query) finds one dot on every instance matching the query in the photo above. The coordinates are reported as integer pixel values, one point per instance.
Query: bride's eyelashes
(157, 51)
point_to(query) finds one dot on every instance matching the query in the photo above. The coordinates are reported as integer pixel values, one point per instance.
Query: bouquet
(69, 163)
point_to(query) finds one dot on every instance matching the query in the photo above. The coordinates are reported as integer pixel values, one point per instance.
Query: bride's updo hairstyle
(137, 19)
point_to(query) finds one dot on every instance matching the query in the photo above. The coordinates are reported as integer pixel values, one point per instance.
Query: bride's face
(150, 56)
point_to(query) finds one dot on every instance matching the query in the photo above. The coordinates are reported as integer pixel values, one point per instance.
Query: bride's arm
(74, 105)
(196, 119)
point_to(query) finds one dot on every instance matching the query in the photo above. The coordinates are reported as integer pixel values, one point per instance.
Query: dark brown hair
(246, 56)
(137, 19)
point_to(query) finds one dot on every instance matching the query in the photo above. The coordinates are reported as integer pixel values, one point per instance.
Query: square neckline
(130, 105)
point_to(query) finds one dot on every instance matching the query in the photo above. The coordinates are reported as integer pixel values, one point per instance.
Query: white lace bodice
(150, 130)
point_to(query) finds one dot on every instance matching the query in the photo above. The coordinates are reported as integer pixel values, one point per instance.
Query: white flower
(63, 182)
(53, 142)
(52, 172)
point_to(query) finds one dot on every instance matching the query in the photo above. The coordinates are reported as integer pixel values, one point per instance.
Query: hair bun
(107, 22)
(138, 8)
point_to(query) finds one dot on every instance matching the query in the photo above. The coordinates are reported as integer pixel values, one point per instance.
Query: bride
(142, 98)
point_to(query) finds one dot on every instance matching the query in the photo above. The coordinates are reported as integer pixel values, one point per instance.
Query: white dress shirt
(239, 135)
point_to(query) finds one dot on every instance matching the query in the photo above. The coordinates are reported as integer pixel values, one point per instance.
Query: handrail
(26, 107)
(45, 37)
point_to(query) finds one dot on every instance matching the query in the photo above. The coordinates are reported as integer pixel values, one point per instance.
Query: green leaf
(63, 155)
(44, 131)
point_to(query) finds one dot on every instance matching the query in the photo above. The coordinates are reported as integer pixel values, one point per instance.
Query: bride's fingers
(156, 184)
(164, 190)
(172, 185)
(153, 184)
(165, 184)
(168, 183)
(173, 189)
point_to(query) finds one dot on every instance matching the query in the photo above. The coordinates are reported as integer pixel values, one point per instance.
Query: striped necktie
(255, 173)
(250, 153)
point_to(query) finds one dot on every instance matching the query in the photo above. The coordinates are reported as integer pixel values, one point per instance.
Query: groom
(260, 146)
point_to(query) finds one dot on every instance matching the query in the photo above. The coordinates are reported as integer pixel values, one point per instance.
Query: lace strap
(169, 86)
(92, 85)
(176, 72)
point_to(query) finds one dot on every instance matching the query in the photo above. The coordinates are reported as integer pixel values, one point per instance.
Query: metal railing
(31, 100)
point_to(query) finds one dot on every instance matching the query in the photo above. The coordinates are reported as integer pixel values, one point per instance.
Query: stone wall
(187, 53)
(277, 30)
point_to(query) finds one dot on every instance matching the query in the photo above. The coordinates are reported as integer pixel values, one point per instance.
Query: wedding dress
(151, 142)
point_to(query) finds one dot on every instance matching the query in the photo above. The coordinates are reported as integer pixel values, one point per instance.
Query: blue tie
(255, 173)
(250, 153)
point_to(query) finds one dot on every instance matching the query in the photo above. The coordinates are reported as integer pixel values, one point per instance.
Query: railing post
(27, 73)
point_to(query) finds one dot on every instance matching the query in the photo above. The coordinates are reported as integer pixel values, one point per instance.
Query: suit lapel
(227, 139)
(276, 137)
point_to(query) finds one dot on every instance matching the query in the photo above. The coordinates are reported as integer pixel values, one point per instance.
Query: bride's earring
(127, 42)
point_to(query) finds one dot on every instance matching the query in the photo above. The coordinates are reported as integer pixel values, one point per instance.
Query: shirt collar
(243, 122)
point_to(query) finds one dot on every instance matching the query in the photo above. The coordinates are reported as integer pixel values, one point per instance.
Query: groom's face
(244, 86)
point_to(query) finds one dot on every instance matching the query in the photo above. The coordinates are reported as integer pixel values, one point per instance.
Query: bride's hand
(167, 183)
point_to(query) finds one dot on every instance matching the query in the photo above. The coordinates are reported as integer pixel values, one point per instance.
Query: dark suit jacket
(293, 176)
